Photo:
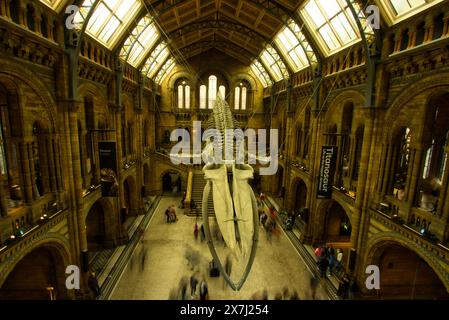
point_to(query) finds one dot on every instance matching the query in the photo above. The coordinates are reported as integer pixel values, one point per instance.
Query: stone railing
(31, 235)
(438, 250)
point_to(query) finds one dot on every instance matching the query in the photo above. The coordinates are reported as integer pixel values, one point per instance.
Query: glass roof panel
(109, 19)
(274, 63)
(397, 10)
(331, 23)
(156, 59)
(261, 73)
(291, 47)
(54, 4)
(165, 70)
(140, 42)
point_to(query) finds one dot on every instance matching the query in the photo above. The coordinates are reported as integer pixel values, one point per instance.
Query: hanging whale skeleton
(235, 204)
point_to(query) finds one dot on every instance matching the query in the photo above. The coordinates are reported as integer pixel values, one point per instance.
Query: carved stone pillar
(26, 172)
(443, 201)
(387, 171)
(22, 13)
(357, 220)
(76, 167)
(414, 178)
(52, 165)
(37, 22)
(446, 25)
(430, 27)
(4, 10)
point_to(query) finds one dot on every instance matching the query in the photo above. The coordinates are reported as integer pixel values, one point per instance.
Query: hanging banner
(327, 171)
(108, 168)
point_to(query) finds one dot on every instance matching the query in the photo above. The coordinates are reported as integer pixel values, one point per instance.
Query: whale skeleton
(235, 204)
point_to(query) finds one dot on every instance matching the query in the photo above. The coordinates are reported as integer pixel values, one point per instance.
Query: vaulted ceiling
(239, 28)
(275, 37)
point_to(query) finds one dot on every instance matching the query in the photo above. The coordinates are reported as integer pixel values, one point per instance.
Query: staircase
(197, 194)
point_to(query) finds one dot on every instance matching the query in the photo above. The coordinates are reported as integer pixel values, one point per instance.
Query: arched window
(212, 91)
(208, 94)
(222, 91)
(10, 182)
(240, 96)
(183, 95)
(203, 97)
(402, 144)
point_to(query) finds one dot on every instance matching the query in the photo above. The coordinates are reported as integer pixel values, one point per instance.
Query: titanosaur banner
(108, 168)
(327, 171)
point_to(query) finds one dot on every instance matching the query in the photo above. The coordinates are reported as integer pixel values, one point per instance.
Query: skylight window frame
(315, 29)
(389, 12)
(56, 6)
(123, 23)
(261, 73)
(148, 70)
(286, 52)
(165, 70)
(280, 72)
(133, 40)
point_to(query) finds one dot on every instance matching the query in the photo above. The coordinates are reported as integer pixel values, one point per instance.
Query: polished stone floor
(276, 266)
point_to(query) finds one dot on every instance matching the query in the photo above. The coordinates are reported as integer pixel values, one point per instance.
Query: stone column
(446, 25)
(430, 27)
(443, 200)
(387, 171)
(32, 172)
(4, 9)
(314, 148)
(37, 21)
(357, 220)
(52, 165)
(44, 163)
(26, 172)
(21, 8)
(415, 177)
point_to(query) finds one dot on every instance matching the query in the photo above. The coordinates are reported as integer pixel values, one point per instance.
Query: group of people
(284, 294)
(329, 259)
(170, 214)
(268, 222)
(193, 288)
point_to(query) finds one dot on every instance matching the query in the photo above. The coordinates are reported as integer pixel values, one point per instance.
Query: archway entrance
(300, 200)
(279, 191)
(405, 275)
(40, 275)
(171, 183)
(337, 227)
(95, 224)
(130, 202)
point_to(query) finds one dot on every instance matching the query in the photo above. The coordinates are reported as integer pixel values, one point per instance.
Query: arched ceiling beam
(283, 14)
(165, 6)
(219, 24)
(245, 56)
(372, 42)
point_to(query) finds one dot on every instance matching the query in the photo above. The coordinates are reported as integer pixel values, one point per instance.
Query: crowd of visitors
(170, 214)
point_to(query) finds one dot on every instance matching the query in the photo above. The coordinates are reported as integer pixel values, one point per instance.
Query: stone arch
(299, 195)
(168, 180)
(100, 224)
(130, 194)
(324, 217)
(244, 76)
(377, 243)
(428, 87)
(180, 75)
(336, 105)
(15, 73)
(55, 242)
